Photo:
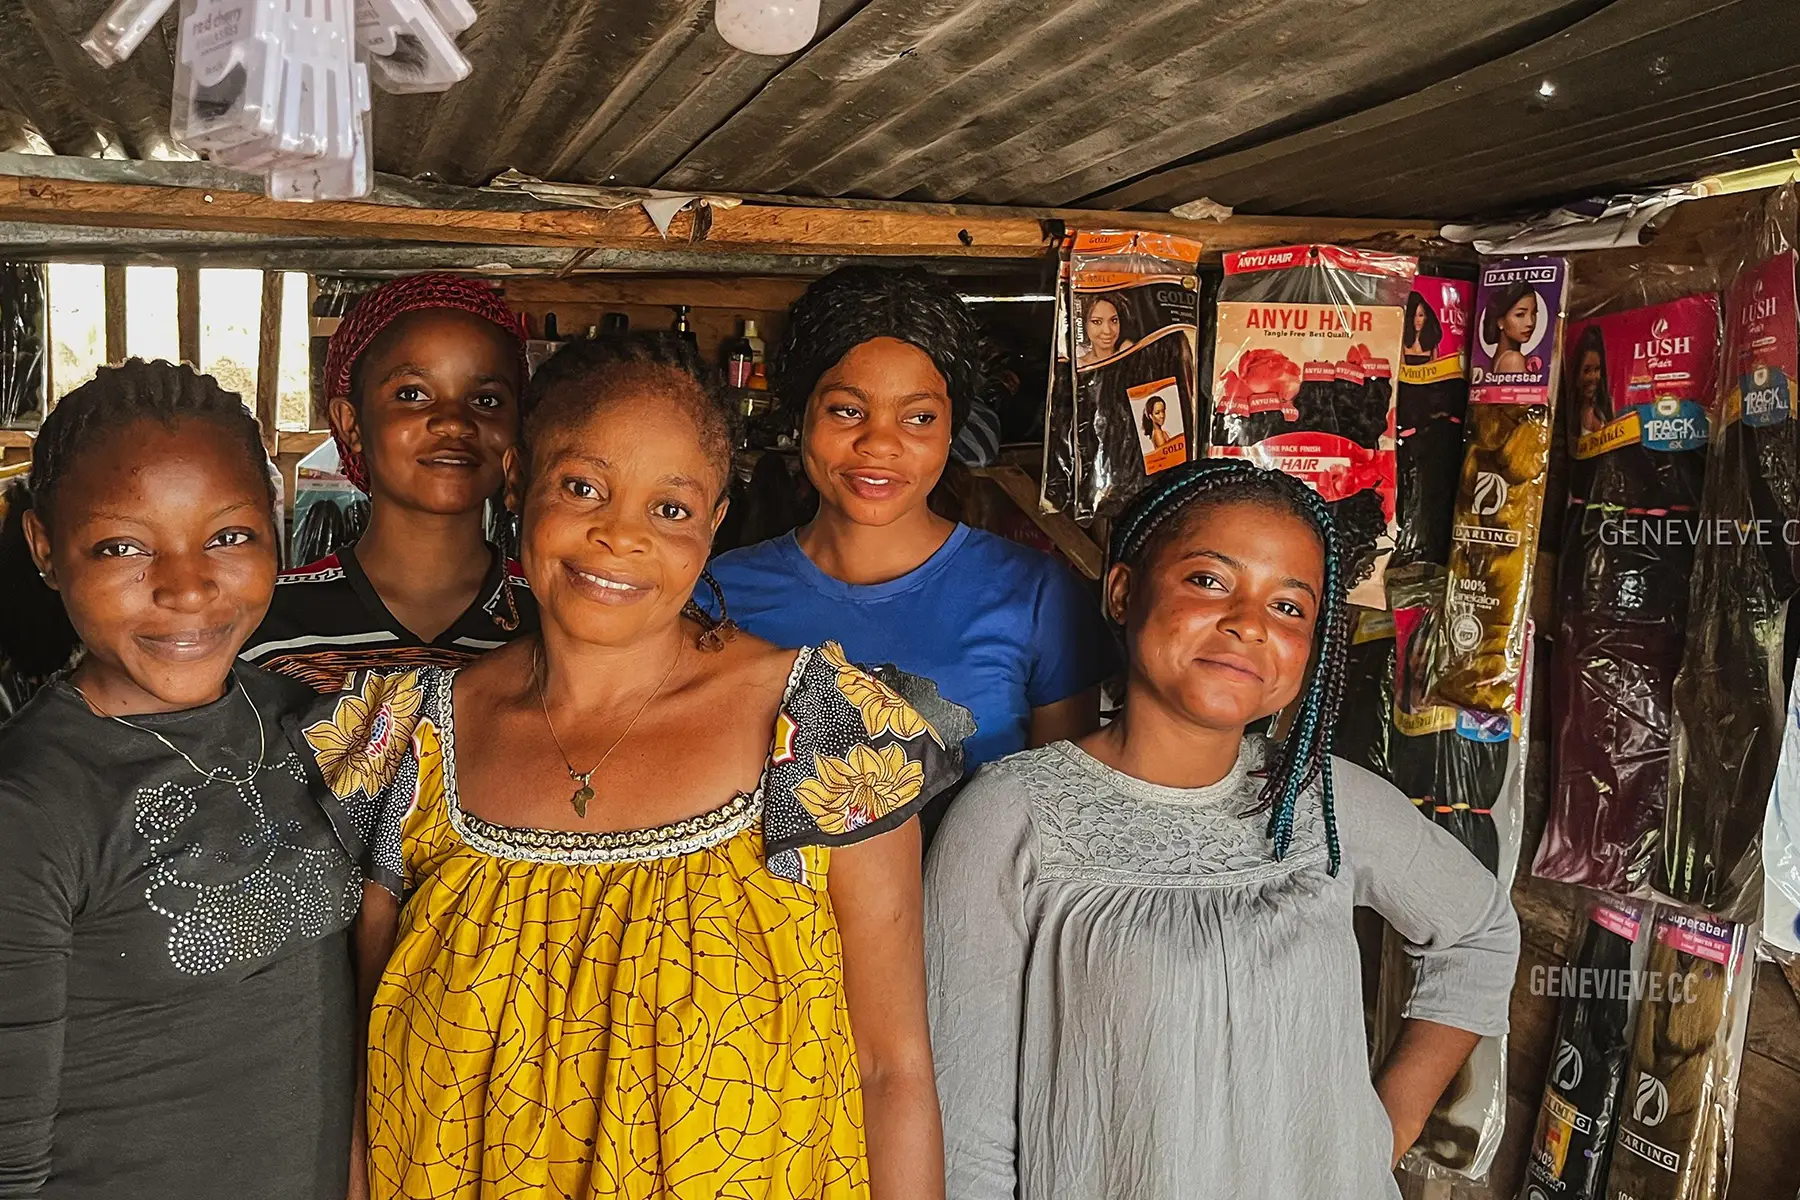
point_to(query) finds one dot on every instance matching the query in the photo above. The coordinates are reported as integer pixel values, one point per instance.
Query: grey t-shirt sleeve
(1458, 922)
(38, 890)
(975, 952)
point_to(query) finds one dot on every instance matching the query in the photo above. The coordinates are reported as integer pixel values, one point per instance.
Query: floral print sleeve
(377, 746)
(851, 760)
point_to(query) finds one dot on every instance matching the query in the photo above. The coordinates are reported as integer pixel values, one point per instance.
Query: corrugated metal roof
(1347, 107)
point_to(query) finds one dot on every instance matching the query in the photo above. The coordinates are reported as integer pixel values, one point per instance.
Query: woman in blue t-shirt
(881, 366)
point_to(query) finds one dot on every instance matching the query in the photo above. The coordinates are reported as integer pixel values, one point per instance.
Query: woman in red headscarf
(424, 376)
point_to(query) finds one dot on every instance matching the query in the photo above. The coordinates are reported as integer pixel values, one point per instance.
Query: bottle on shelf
(682, 328)
(740, 358)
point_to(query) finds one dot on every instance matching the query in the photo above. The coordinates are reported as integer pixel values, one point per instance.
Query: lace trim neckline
(1214, 796)
(586, 847)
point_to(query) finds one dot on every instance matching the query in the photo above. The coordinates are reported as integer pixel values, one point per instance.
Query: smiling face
(162, 545)
(1158, 410)
(1589, 376)
(620, 505)
(1219, 619)
(437, 410)
(1103, 327)
(1518, 321)
(877, 432)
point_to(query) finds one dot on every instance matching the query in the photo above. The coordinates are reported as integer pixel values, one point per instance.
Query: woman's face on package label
(1103, 327)
(1589, 377)
(1520, 319)
(1220, 621)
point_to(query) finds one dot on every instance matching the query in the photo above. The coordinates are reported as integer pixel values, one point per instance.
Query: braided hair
(853, 305)
(583, 376)
(116, 398)
(1160, 512)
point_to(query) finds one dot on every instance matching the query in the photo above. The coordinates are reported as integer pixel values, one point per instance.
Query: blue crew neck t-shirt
(1000, 628)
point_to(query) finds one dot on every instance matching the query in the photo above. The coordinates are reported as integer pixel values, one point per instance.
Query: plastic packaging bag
(1131, 319)
(1464, 770)
(1432, 399)
(1365, 720)
(1572, 1143)
(1303, 382)
(1637, 386)
(329, 511)
(1728, 696)
(1477, 653)
(1681, 1089)
(24, 345)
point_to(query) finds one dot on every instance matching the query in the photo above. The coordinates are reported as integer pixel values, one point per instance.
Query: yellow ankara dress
(649, 1015)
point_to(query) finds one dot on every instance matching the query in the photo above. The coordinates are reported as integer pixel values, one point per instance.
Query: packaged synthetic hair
(1126, 332)
(1728, 693)
(1303, 382)
(1637, 386)
(1572, 1143)
(330, 512)
(24, 344)
(1465, 771)
(1781, 846)
(1478, 652)
(1674, 1140)
(1432, 399)
(1364, 730)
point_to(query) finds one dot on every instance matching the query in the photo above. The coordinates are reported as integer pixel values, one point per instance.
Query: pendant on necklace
(580, 799)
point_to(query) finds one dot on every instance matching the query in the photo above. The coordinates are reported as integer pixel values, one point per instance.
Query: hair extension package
(1127, 329)
(1727, 729)
(1478, 652)
(1364, 731)
(1465, 770)
(1781, 846)
(1572, 1143)
(1637, 385)
(24, 344)
(1303, 382)
(1432, 400)
(1674, 1139)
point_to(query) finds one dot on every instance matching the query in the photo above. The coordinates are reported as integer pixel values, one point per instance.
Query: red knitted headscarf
(378, 309)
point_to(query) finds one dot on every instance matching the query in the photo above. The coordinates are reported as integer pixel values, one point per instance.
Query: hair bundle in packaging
(24, 344)
(1127, 325)
(1303, 382)
(1477, 653)
(1637, 386)
(1364, 731)
(1726, 739)
(1681, 1088)
(1571, 1146)
(1432, 399)
(1465, 771)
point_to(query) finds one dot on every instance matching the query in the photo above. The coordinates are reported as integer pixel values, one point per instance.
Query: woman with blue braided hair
(1143, 978)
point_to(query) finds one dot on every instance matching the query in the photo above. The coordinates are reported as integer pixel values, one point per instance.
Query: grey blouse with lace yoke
(1131, 998)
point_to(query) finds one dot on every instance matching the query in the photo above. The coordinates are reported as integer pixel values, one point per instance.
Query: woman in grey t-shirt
(1144, 981)
(176, 1000)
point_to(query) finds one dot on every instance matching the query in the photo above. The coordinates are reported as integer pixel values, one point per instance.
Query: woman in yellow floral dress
(644, 918)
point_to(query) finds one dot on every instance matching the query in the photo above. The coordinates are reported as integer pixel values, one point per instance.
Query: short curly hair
(853, 305)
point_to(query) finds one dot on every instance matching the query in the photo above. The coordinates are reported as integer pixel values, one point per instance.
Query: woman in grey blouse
(1144, 983)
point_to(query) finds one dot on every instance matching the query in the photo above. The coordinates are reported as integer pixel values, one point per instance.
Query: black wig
(853, 305)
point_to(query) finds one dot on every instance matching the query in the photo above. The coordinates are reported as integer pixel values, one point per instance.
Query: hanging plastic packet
(1303, 382)
(1364, 730)
(24, 344)
(1680, 1100)
(1637, 385)
(1132, 320)
(1465, 771)
(410, 49)
(1062, 473)
(1572, 1143)
(122, 29)
(329, 511)
(1476, 655)
(337, 176)
(229, 72)
(1728, 696)
(1431, 401)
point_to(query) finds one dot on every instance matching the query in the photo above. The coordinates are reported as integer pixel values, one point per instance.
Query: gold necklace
(584, 791)
(262, 735)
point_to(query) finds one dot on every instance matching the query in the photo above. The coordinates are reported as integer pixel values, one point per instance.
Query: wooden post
(268, 361)
(187, 314)
(115, 312)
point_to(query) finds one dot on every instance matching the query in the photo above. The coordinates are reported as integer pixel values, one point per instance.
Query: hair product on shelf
(1432, 400)
(1303, 382)
(1478, 651)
